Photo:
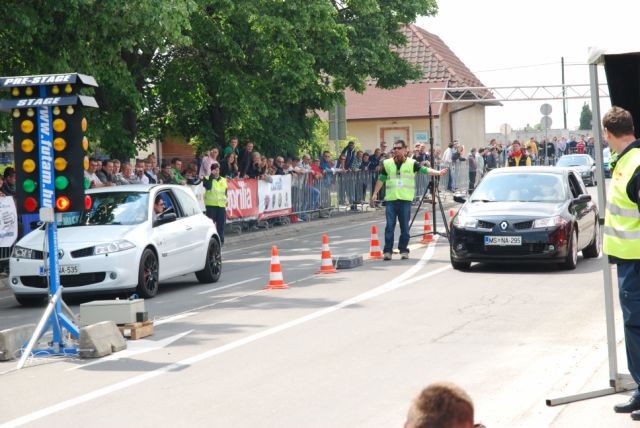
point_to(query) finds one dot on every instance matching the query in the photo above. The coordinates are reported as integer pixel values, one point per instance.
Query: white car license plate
(63, 269)
(503, 240)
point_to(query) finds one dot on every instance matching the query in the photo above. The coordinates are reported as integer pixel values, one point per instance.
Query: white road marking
(396, 283)
(172, 318)
(228, 286)
(135, 347)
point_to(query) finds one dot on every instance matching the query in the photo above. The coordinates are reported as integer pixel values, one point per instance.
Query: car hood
(512, 209)
(88, 235)
(580, 168)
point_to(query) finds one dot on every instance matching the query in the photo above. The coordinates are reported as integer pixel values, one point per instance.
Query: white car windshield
(524, 187)
(113, 208)
(573, 161)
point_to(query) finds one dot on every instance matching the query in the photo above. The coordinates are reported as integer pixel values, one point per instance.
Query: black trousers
(219, 217)
(629, 289)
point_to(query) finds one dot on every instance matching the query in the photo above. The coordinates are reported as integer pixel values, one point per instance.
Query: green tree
(115, 42)
(585, 117)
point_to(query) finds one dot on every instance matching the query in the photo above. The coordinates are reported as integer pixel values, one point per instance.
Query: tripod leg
(444, 218)
(419, 205)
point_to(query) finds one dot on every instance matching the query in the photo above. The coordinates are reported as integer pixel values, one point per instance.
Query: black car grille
(524, 225)
(83, 252)
(485, 224)
(65, 280)
(38, 255)
(480, 248)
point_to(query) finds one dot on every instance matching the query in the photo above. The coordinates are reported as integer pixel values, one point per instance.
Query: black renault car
(526, 214)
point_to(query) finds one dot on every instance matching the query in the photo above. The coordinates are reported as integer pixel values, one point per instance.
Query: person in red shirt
(580, 147)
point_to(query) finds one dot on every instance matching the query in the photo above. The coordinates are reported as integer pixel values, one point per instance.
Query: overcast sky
(518, 42)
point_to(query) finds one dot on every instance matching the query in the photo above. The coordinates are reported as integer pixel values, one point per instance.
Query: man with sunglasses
(398, 176)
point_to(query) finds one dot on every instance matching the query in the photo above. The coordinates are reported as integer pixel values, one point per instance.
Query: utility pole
(564, 95)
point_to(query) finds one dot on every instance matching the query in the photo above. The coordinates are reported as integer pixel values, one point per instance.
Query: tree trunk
(216, 116)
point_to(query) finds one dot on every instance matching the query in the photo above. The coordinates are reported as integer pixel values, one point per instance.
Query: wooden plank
(137, 330)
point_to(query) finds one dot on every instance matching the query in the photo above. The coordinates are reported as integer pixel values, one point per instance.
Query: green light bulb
(29, 185)
(61, 182)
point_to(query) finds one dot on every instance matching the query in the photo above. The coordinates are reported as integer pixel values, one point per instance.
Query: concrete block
(13, 339)
(98, 340)
(347, 262)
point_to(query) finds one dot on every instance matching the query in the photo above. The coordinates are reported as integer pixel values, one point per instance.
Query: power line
(528, 66)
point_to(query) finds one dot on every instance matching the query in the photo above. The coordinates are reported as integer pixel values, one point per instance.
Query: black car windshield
(521, 187)
(113, 208)
(573, 161)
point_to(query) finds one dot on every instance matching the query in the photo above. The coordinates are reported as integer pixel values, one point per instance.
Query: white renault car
(130, 239)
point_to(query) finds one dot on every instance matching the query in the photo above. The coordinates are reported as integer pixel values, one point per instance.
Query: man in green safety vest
(622, 237)
(398, 174)
(215, 199)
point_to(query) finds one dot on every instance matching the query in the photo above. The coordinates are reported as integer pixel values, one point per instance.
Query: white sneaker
(404, 255)
(387, 256)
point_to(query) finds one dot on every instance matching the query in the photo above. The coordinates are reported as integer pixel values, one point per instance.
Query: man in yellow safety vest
(215, 199)
(621, 240)
(398, 174)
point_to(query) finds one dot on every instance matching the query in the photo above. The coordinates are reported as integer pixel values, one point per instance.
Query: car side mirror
(165, 218)
(582, 199)
(459, 199)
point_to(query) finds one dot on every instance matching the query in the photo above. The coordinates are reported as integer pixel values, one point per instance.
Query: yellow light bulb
(56, 111)
(15, 92)
(27, 145)
(85, 143)
(85, 163)
(29, 91)
(28, 165)
(84, 124)
(60, 164)
(55, 90)
(26, 126)
(59, 144)
(30, 112)
(16, 113)
(69, 110)
(59, 125)
(68, 89)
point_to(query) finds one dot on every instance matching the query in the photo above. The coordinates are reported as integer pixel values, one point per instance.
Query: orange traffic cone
(375, 251)
(428, 235)
(326, 265)
(451, 215)
(276, 282)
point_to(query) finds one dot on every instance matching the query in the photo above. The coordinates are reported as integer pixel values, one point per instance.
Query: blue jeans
(402, 211)
(629, 289)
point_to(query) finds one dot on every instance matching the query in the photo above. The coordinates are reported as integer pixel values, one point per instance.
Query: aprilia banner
(275, 196)
(242, 199)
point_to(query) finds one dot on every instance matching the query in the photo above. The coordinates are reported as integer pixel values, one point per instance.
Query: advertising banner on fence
(242, 199)
(275, 196)
(8, 222)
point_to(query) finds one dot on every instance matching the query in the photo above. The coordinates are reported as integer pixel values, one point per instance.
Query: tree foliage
(585, 117)
(209, 69)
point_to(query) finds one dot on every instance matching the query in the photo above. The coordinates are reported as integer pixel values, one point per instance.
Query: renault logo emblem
(60, 254)
(504, 225)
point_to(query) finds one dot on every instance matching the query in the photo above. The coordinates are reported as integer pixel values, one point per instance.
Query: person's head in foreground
(441, 405)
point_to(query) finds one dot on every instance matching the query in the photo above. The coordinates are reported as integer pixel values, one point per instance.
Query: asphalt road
(342, 350)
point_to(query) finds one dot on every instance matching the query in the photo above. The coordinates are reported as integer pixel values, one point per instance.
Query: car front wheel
(148, 274)
(571, 261)
(213, 264)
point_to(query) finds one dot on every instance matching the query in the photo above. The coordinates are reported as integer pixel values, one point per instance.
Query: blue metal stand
(56, 320)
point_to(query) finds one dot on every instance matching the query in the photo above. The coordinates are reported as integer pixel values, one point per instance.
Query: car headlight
(113, 247)
(548, 222)
(463, 221)
(23, 253)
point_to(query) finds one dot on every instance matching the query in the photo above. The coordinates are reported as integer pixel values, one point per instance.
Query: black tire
(213, 264)
(571, 261)
(459, 265)
(592, 250)
(30, 301)
(148, 274)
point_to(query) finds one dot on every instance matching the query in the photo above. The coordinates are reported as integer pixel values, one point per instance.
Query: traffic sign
(546, 109)
(505, 128)
(546, 122)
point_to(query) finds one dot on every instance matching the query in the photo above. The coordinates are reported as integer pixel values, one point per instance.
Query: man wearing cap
(398, 175)
(215, 199)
